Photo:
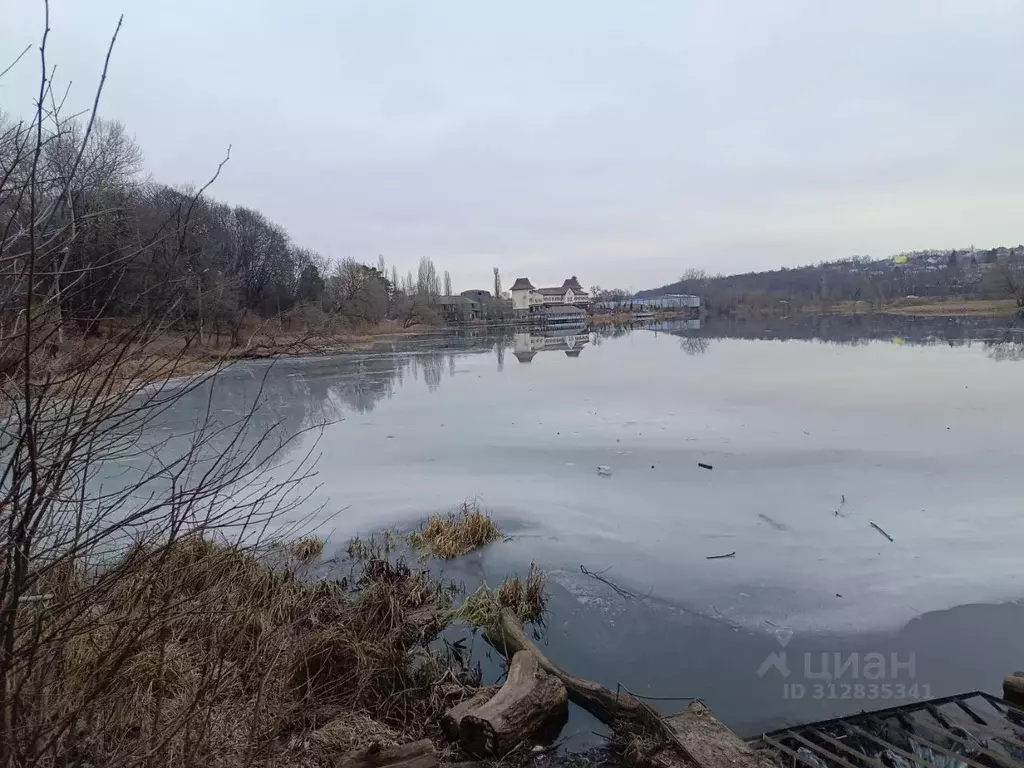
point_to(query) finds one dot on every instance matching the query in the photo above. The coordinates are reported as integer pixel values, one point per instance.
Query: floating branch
(879, 529)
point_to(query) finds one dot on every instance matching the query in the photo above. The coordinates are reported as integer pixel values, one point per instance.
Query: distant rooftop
(522, 284)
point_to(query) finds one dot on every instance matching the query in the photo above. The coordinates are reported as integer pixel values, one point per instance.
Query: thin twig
(12, 64)
(879, 529)
(619, 590)
(721, 557)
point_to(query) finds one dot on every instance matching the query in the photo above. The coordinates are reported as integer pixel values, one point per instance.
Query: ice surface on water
(923, 440)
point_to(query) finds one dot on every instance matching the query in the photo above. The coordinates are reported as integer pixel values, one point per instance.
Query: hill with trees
(130, 247)
(994, 273)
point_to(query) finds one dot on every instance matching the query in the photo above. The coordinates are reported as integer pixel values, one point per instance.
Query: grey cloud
(622, 142)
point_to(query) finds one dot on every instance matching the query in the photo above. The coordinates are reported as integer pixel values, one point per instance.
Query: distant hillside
(992, 273)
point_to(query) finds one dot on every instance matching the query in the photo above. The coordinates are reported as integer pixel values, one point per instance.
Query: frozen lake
(814, 429)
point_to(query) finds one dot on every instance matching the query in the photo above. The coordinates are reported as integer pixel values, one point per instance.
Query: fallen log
(417, 754)
(604, 704)
(451, 719)
(529, 706)
(613, 708)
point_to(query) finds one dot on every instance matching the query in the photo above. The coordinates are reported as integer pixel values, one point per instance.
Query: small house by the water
(526, 298)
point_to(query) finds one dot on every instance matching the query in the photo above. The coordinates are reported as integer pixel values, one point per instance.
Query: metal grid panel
(971, 730)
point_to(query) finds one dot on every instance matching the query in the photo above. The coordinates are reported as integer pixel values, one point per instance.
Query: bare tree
(428, 286)
(447, 283)
(497, 284)
(359, 291)
(87, 555)
(1012, 276)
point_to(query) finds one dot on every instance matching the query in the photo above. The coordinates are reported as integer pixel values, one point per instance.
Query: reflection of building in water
(527, 345)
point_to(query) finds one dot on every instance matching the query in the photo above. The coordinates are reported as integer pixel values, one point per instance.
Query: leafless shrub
(132, 602)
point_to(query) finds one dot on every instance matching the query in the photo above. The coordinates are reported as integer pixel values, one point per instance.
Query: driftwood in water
(418, 754)
(529, 705)
(604, 704)
(616, 709)
(721, 557)
(879, 529)
(451, 719)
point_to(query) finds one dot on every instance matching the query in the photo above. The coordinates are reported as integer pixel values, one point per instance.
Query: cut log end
(1013, 689)
(508, 638)
(532, 705)
(452, 719)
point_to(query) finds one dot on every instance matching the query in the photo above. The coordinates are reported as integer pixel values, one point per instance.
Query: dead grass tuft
(307, 550)
(526, 598)
(457, 533)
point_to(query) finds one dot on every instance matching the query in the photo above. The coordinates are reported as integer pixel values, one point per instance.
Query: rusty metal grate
(971, 730)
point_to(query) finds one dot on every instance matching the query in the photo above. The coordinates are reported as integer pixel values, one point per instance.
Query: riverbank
(118, 361)
(236, 655)
(929, 307)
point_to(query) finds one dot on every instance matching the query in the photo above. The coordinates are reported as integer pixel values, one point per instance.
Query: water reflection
(299, 394)
(528, 343)
(863, 329)
(1003, 342)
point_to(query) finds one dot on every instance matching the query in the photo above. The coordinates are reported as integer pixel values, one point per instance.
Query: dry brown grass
(210, 656)
(307, 550)
(456, 533)
(526, 598)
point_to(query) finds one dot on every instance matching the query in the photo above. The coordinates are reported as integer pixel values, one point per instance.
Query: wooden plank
(710, 743)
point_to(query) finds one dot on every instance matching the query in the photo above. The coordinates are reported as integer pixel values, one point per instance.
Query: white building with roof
(527, 298)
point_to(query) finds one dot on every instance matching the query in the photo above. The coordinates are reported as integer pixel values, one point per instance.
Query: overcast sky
(620, 141)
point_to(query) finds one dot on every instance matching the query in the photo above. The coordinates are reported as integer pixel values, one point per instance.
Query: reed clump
(457, 533)
(524, 597)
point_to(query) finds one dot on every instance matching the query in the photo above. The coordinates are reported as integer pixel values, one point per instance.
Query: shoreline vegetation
(198, 650)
